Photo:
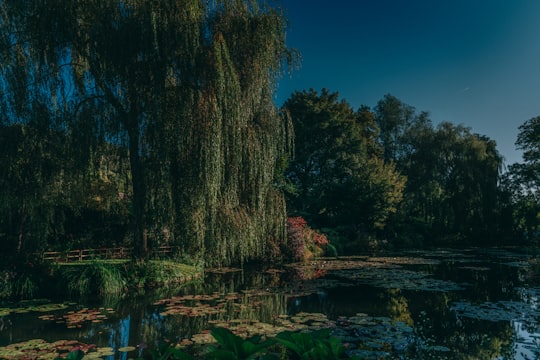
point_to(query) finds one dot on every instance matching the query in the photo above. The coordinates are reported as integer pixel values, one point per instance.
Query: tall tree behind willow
(521, 183)
(452, 190)
(340, 178)
(394, 119)
(186, 86)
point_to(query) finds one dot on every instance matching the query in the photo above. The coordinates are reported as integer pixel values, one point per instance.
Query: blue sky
(470, 62)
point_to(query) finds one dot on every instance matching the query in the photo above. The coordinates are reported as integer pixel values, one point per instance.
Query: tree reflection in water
(454, 307)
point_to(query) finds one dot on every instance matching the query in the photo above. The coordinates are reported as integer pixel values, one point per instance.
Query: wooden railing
(103, 253)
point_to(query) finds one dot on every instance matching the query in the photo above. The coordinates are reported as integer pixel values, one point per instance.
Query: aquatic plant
(41, 349)
(313, 345)
(75, 319)
(234, 347)
(168, 351)
(74, 355)
(23, 280)
(533, 269)
(495, 310)
(396, 278)
(94, 278)
(316, 345)
(166, 273)
(111, 278)
(38, 306)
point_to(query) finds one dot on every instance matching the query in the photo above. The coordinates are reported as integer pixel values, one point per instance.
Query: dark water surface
(419, 305)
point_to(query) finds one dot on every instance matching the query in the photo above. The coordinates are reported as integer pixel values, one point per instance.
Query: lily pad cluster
(392, 278)
(41, 349)
(374, 337)
(365, 336)
(197, 305)
(38, 308)
(495, 311)
(530, 295)
(76, 319)
(403, 260)
(383, 272)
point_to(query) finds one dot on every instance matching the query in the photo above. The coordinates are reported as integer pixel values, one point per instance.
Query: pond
(419, 305)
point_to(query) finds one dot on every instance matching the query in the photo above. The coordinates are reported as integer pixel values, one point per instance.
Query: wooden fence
(103, 253)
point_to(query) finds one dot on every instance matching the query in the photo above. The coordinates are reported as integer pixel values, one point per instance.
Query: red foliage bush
(303, 242)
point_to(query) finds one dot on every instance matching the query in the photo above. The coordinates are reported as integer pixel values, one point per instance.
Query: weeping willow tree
(229, 137)
(185, 86)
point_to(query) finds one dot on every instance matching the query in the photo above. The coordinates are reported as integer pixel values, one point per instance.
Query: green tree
(529, 142)
(340, 180)
(520, 205)
(393, 118)
(185, 87)
(30, 187)
(521, 184)
(452, 189)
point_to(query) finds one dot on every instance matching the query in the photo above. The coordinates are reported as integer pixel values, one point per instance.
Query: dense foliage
(144, 123)
(339, 180)
(176, 96)
(521, 184)
(388, 174)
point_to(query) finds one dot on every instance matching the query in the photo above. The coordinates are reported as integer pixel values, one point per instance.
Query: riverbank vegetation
(95, 278)
(142, 124)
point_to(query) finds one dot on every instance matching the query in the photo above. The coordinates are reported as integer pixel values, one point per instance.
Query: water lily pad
(25, 307)
(41, 349)
(75, 319)
(127, 349)
(495, 311)
(209, 305)
(399, 279)
(203, 338)
(95, 356)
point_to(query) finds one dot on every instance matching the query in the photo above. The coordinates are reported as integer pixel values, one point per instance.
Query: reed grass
(19, 285)
(94, 278)
(113, 277)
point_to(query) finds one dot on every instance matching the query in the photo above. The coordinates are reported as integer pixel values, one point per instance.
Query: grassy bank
(102, 278)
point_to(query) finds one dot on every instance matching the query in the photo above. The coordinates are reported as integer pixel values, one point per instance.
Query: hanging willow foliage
(229, 138)
(184, 87)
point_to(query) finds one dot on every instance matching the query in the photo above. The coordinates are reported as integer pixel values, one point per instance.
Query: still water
(474, 304)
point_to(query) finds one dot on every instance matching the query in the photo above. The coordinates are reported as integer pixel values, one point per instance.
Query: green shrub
(304, 243)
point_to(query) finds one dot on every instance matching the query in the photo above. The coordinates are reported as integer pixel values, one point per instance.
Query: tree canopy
(182, 88)
(145, 123)
(339, 178)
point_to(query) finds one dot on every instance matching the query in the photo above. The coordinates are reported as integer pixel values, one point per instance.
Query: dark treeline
(141, 123)
(387, 176)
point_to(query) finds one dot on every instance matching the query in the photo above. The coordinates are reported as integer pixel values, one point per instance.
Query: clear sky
(470, 62)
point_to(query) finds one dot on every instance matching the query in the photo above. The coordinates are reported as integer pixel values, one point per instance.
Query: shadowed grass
(94, 278)
(114, 277)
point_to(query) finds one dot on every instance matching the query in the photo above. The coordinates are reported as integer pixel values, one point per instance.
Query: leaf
(228, 339)
(180, 355)
(75, 355)
(220, 354)
(285, 339)
(127, 348)
(250, 348)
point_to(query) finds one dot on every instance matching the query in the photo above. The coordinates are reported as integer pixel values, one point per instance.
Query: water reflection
(430, 306)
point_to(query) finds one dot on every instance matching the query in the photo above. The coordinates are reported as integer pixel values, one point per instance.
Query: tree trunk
(21, 229)
(140, 241)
